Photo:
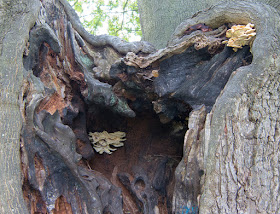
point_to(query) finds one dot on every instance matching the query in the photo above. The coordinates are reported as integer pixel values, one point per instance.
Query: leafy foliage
(114, 17)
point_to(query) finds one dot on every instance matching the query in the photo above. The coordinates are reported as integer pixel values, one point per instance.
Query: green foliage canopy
(114, 17)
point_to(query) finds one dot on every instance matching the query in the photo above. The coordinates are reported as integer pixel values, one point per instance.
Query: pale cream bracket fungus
(240, 35)
(103, 140)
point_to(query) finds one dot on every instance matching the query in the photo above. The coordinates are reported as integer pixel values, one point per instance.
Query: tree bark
(159, 19)
(241, 136)
(241, 160)
(70, 83)
(16, 21)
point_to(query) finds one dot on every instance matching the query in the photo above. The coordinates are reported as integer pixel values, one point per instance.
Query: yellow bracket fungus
(103, 140)
(240, 35)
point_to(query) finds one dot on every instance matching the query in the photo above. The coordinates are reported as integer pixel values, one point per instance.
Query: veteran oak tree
(200, 119)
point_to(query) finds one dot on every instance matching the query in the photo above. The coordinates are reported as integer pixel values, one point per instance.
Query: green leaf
(78, 7)
(119, 17)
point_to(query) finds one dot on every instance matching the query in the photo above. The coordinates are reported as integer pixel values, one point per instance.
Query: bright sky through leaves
(114, 17)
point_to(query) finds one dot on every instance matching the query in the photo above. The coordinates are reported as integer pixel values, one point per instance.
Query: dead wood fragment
(202, 27)
(40, 34)
(190, 170)
(97, 92)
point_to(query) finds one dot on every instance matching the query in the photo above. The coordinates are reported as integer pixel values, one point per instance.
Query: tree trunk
(240, 138)
(16, 19)
(242, 161)
(159, 19)
(70, 83)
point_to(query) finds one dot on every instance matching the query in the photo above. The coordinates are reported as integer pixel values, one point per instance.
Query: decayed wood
(69, 56)
(193, 71)
(241, 130)
(199, 39)
(51, 165)
(62, 86)
(189, 172)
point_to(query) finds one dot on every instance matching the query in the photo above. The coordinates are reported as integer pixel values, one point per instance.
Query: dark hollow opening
(144, 167)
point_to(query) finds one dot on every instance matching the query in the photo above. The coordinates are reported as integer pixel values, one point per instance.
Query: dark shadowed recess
(196, 77)
(140, 174)
(144, 167)
(65, 101)
(135, 178)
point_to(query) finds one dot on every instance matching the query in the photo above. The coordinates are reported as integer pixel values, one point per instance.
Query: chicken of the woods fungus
(102, 141)
(240, 35)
